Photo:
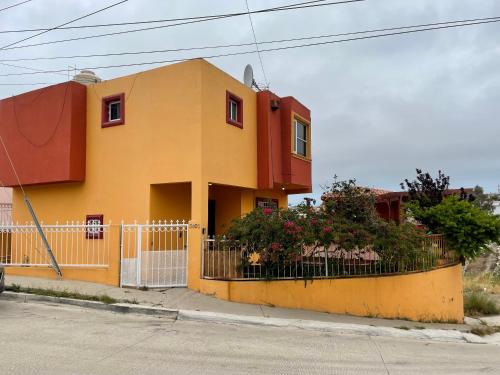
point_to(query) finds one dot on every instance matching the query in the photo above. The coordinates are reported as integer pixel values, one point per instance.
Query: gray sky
(380, 107)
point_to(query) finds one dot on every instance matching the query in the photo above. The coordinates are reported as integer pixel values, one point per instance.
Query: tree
(425, 190)
(484, 201)
(468, 229)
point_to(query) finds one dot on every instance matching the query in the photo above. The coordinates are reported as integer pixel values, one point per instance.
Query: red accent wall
(277, 167)
(44, 131)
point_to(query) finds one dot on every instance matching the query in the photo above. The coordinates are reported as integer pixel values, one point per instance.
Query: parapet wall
(435, 295)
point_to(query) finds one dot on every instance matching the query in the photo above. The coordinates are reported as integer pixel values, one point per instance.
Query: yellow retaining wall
(102, 275)
(426, 296)
(94, 275)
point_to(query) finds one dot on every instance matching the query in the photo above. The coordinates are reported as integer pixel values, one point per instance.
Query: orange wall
(175, 131)
(427, 296)
(170, 202)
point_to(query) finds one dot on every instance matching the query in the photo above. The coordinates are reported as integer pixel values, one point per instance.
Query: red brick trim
(94, 236)
(104, 111)
(230, 96)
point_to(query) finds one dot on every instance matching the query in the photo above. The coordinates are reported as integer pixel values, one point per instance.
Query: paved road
(57, 339)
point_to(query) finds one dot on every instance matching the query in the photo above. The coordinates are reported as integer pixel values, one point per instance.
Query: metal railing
(154, 255)
(226, 260)
(74, 244)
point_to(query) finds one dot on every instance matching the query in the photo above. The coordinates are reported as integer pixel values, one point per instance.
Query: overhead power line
(257, 45)
(63, 24)
(130, 23)
(27, 68)
(230, 45)
(29, 84)
(15, 5)
(447, 26)
(204, 19)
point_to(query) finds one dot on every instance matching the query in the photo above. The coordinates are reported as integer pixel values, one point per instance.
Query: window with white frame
(300, 135)
(113, 110)
(234, 110)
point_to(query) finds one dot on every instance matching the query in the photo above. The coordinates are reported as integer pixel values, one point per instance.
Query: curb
(125, 308)
(440, 335)
(339, 328)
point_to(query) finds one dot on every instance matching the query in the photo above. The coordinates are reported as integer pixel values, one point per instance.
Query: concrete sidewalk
(185, 299)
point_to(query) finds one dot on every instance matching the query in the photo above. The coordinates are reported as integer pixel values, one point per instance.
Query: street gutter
(439, 335)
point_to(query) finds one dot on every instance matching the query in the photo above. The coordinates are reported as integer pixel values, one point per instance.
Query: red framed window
(94, 225)
(234, 110)
(113, 110)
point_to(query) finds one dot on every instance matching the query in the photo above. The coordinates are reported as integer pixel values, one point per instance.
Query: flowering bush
(278, 236)
(347, 218)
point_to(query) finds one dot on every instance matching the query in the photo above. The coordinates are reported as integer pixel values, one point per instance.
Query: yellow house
(184, 142)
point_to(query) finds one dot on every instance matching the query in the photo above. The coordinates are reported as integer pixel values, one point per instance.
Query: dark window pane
(301, 147)
(234, 111)
(114, 111)
(301, 131)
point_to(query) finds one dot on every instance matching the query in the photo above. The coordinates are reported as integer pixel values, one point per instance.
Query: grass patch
(486, 282)
(479, 303)
(485, 330)
(104, 298)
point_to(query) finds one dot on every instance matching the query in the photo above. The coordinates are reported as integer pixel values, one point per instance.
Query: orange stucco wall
(175, 135)
(426, 296)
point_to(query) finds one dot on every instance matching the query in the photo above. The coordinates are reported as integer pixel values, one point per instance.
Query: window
(300, 138)
(234, 110)
(266, 203)
(94, 226)
(113, 110)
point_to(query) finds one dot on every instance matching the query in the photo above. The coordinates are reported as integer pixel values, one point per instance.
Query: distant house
(496, 206)
(389, 203)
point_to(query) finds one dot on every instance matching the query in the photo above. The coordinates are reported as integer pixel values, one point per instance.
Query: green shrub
(467, 228)
(477, 303)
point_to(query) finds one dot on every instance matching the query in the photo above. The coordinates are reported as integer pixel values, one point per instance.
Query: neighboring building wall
(5, 195)
(5, 205)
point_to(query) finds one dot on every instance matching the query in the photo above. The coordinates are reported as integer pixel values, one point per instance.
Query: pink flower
(267, 211)
(275, 246)
(327, 230)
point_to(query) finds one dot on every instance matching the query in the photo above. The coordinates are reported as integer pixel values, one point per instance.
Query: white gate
(154, 255)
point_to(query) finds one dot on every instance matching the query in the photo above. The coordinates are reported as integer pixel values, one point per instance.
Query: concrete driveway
(58, 339)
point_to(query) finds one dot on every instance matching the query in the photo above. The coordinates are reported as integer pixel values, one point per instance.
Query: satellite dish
(248, 76)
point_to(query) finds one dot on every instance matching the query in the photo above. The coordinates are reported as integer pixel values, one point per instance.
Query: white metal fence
(73, 244)
(154, 255)
(226, 260)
